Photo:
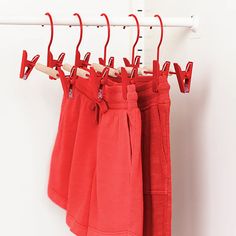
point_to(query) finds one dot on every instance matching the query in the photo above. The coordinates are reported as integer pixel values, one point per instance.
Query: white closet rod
(187, 22)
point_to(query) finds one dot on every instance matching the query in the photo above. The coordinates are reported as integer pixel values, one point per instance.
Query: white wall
(30, 109)
(203, 123)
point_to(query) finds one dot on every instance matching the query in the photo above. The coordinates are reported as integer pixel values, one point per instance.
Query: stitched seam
(97, 230)
(53, 190)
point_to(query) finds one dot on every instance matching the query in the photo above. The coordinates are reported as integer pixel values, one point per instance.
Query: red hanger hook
(51, 62)
(52, 30)
(138, 35)
(108, 36)
(81, 30)
(161, 38)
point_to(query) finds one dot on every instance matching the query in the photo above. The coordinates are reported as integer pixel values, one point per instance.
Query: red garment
(84, 157)
(155, 111)
(117, 201)
(64, 145)
(106, 173)
(105, 196)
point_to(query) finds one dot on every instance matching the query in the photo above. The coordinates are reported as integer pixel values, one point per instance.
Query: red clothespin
(135, 64)
(68, 81)
(26, 65)
(81, 63)
(184, 76)
(71, 78)
(104, 76)
(102, 82)
(73, 74)
(165, 70)
(51, 62)
(111, 62)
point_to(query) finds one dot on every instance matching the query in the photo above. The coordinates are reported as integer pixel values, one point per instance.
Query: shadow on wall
(188, 158)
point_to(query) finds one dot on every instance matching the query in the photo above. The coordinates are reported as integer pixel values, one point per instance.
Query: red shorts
(84, 160)
(117, 199)
(109, 171)
(155, 111)
(64, 146)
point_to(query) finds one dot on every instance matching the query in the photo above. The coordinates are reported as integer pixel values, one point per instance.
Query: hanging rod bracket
(195, 25)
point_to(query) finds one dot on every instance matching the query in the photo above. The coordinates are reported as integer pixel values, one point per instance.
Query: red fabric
(155, 111)
(84, 159)
(117, 201)
(64, 145)
(112, 164)
(105, 196)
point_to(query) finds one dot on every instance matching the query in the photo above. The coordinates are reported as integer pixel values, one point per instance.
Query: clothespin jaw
(26, 65)
(134, 75)
(73, 73)
(71, 80)
(82, 63)
(98, 80)
(131, 64)
(52, 63)
(159, 74)
(165, 70)
(184, 77)
(101, 61)
(126, 61)
(110, 62)
(105, 74)
(102, 82)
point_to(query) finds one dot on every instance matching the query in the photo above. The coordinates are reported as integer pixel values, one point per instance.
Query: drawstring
(99, 109)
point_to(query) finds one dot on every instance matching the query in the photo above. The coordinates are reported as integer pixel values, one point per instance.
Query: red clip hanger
(51, 62)
(81, 63)
(184, 76)
(164, 72)
(135, 61)
(103, 61)
(159, 74)
(26, 65)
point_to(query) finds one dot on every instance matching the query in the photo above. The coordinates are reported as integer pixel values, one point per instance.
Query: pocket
(130, 138)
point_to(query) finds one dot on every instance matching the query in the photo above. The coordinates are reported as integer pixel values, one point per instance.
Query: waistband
(108, 97)
(114, 96)
(118, 98)
(147, 96)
